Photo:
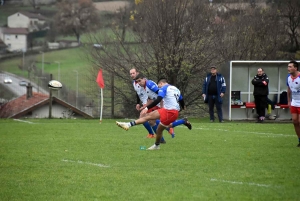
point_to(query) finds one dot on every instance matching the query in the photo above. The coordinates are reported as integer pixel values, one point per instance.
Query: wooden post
(50, 100)
(112, 95)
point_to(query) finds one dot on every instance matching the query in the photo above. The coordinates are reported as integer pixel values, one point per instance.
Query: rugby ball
(54, 84)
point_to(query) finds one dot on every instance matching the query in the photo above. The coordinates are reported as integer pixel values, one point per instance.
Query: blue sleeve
(180, 98)
(152, 86)
(163, 91)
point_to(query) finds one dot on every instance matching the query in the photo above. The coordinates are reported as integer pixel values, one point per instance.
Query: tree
(289, 13)
(76, 17)
(255, 34)
(290, 10)
(170, 40)
(180, 39)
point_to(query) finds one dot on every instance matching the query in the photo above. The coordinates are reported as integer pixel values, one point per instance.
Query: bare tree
(171, 40)
(76, 17)
(254, 35)
(290, 10)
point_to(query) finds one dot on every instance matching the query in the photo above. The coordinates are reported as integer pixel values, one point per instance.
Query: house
(19, 26)
(15, 38)
(36, 105)
(30, 21)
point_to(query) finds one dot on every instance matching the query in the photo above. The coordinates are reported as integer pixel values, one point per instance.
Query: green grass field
(43, 159)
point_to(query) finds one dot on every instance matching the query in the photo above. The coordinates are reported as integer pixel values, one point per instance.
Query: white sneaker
(154, 147)
(123, 125)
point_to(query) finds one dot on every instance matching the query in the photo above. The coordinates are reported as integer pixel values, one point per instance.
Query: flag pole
(101, 107)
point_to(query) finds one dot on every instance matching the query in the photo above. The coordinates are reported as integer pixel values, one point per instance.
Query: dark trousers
(261, 104)
(212, 101)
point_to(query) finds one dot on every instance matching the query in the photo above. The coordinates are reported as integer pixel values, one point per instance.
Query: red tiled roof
(33, 15)
(19, 107)
(23, 31)
(20, 104)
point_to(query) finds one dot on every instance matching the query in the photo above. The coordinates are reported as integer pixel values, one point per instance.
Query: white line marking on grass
(88, 163)
(242, 183)
(24, 121)
(245, 132)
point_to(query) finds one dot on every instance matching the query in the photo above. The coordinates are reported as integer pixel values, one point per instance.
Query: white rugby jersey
(294, 85)
(140, 92)
(171, 96)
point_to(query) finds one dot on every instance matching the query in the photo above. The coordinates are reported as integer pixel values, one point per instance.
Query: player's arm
(138, 100)
(289, 96)
(181, 102)
(154, 103)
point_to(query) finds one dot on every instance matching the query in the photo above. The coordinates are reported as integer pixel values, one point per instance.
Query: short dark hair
(295, 63)
(162, 80)
(139, 76)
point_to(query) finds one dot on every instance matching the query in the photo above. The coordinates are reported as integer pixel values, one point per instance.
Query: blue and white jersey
(151, 89)
(171, 96)
(294, 85)
(140, 92)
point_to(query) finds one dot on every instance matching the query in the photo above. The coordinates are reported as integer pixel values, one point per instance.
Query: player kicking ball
(167, 115)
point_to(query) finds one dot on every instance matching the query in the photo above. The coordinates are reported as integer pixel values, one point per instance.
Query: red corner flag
(100, 80)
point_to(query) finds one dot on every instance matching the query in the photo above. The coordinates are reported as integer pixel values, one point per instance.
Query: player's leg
(169, 129)
(295, 111)
(166, 117)
(148, 128)
(183, 121)
(154, 124)
(151, 116)
(159, 135)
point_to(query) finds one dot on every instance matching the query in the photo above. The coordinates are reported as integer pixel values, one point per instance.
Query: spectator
(260, 93)
(213, 90)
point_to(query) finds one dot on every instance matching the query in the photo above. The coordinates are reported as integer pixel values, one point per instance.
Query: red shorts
(295, 110)
(152, 109)
(167, 116)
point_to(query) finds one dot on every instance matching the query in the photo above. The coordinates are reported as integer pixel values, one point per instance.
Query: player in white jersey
(293, 95)
(141, 97)
(171, 97)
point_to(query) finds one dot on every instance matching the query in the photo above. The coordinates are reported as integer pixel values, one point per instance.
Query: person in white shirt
(293, 95)
(141, 98)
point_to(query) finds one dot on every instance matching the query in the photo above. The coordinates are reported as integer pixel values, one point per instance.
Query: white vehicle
(7, 80)
(98, 46)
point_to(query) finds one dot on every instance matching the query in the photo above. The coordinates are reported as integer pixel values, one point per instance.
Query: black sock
(132, 123)
(157, 144)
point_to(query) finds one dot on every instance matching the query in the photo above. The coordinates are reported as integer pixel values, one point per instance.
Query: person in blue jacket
(213, 90)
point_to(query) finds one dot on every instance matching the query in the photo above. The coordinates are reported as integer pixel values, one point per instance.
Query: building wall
(1, 34)
(18, 20)
(15, 42)
(58, 111)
